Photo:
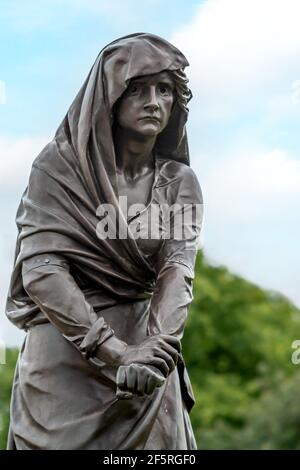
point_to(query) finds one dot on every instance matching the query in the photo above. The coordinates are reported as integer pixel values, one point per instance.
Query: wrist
(112, 351)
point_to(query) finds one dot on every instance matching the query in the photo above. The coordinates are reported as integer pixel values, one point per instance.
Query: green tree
(237, 346)
(6, 379)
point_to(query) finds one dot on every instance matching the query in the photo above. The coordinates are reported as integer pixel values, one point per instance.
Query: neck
(134, 154)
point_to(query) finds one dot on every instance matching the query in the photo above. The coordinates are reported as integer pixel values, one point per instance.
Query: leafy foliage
(6, 379)
(237, 347)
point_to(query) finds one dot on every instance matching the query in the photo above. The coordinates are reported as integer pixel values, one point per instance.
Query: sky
(243, 124)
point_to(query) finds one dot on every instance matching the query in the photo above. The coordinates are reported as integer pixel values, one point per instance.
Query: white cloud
(252, 218)
(245, 73)
(238, 49)
(252, 186)
(16, 157)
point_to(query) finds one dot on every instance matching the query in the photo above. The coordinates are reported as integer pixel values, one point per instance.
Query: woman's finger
(161, 365)
(121, 378)
(131, 379)
(154, 380)
(175, 342)
(122, 393)
(141, 380)
(166, 357)
(148, 379)
(170, 351)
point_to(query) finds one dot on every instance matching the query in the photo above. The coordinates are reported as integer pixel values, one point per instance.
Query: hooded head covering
(76, 173)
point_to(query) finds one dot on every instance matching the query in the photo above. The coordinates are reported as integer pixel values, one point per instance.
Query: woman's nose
(151, 101)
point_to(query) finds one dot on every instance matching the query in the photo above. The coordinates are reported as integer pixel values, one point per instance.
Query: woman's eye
(165, 90)
(133, 89)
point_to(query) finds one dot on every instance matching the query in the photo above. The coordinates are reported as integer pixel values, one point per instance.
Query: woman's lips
(150, 118)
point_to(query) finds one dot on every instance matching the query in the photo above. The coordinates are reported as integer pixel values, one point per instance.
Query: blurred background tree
(6, 377)
(237, 347)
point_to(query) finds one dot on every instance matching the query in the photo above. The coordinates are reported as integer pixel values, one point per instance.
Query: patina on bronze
(101, 364)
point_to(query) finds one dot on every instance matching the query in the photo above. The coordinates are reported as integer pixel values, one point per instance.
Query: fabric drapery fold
(120, 284)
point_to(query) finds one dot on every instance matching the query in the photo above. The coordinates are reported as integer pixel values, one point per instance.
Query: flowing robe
(71, 290)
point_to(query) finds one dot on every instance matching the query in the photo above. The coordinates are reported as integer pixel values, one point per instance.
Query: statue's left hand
(138, 379)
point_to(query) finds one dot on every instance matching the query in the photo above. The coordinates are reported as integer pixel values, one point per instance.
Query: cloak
(70, 179)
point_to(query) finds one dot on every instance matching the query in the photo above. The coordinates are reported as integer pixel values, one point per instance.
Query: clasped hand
(146, 366)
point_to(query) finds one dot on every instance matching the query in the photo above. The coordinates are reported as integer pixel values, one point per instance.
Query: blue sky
(243, 126)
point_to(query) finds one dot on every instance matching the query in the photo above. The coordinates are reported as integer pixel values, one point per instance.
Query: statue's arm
(49, 283)
(176, 261)
(175, 267)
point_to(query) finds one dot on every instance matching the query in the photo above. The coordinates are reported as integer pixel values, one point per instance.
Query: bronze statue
(104, 309)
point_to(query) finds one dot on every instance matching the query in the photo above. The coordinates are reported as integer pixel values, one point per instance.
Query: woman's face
(146, 105)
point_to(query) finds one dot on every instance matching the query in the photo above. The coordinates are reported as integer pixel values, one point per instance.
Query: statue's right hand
(137, 379)
(161, 351)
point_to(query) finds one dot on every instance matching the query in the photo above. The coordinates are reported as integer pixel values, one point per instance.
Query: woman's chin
(150, 131)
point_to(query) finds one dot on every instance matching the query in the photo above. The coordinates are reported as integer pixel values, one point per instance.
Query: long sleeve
(175, 270)
(175, 266)
(47, 280)
(171, 299)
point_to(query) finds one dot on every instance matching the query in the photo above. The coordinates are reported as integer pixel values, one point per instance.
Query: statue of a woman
(104, 309)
